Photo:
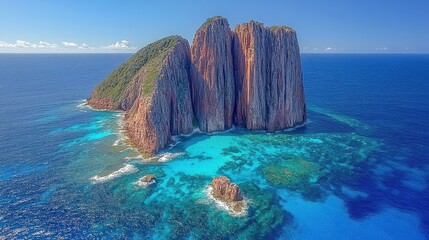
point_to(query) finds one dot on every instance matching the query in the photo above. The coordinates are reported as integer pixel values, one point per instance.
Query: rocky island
(228, 195)
(146, 180)
(250, 77)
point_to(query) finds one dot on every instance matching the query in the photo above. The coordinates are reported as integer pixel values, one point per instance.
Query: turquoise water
(350, 173)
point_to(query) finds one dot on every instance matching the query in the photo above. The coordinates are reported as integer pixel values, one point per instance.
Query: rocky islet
(228, 194)
(224, 190)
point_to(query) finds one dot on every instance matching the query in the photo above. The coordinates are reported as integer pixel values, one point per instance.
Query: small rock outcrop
(224, 190)
(149, 178)
(145, 181)
(212, 75)
(250, 77)
(227, 196)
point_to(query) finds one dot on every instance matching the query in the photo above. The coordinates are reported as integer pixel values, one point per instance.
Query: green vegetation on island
(211, 20)
(286, 28)
(148, 60)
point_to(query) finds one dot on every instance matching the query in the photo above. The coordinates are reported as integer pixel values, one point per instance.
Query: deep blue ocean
(358, 169)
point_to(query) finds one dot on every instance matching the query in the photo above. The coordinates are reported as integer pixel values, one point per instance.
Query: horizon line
(327, 53)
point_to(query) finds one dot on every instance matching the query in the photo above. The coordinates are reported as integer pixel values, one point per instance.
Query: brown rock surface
(147, 178)
(250, 77)
(270, 93)
(166, 109)
(251, 48)
(101, 103)
(285, 99)
(212, 75)
(224, 190)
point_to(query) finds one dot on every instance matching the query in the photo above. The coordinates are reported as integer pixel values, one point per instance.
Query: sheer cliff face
(286, 100)
(251, 49)
(250, 77)
(166, 109)
(122, 87)
(212, 75)
(157, 97)
(268, 75)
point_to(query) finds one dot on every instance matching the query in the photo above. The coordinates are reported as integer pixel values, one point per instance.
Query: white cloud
(70, 44)
(43, 44)
(22, 44)
(6, 45)
(381, 49)
(84, 46)
(328, 49)
(65, 46)
(76, 45)
(25, 44)
(123, 44)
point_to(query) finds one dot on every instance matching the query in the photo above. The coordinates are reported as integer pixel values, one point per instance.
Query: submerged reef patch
(310, 168)
(296, 175)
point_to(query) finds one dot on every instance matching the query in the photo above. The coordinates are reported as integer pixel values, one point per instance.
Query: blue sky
(394, 26)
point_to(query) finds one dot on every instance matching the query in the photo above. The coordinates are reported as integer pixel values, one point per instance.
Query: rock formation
(163, 107)
(224, 190)
(250, 77)
(147, 179)
(228, 196)
(153, 86)
(212, 75)
(269, 86)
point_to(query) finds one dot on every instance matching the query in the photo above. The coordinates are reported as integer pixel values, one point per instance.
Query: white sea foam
(121, 140)
(194, 131)
(175, 140)
(143, 184)
(225, 131)
(129, 148)
(229, 207)
(139, 157)
(122, 137)
(197, 130)
(295, 127)
(116, 142)
(126, 169)
(82, 103)
(165, 157)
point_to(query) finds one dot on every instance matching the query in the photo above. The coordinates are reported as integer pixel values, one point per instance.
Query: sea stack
(212, 75)
(269, 86)
(250, 77)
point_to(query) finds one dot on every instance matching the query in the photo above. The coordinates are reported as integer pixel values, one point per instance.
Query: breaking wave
(126, 169)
